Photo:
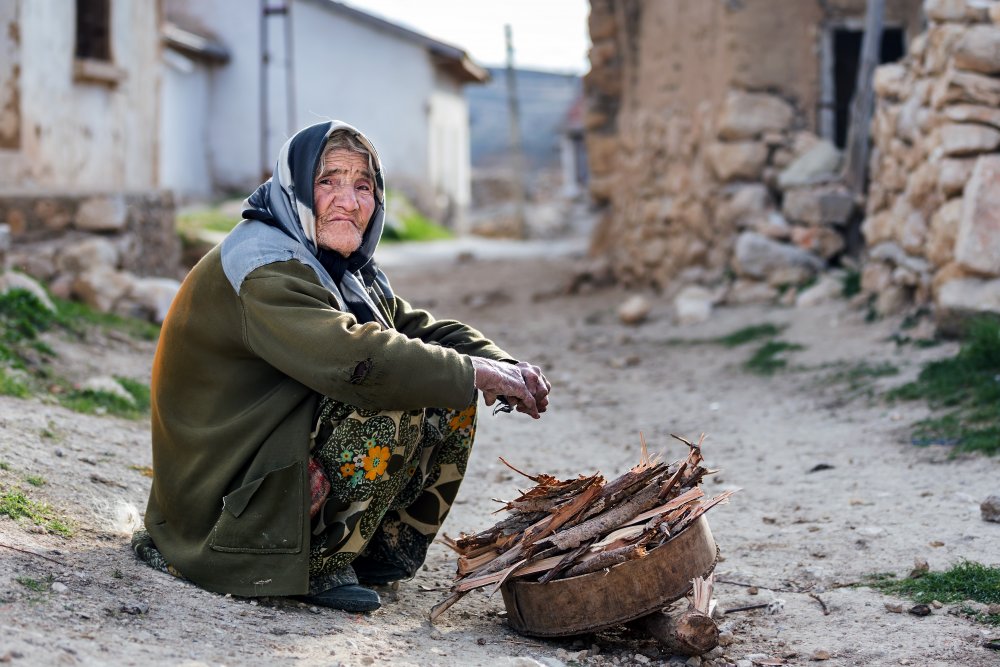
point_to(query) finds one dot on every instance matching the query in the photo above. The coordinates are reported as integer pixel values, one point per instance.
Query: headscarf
(280, 224)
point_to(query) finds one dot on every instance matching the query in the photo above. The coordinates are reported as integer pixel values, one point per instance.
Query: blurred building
(242, 76)
(79, 134)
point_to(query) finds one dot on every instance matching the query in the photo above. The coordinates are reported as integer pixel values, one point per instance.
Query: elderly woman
(310, 428)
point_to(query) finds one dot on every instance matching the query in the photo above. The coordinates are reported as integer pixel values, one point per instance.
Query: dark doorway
(846, 54)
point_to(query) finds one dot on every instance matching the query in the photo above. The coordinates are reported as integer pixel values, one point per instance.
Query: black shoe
(349, 597)
(376, 573)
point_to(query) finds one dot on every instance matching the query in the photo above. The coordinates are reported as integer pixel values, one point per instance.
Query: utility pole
(284, 10)
(516, 150)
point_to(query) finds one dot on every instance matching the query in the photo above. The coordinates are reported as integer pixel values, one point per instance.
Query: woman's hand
(523, 385)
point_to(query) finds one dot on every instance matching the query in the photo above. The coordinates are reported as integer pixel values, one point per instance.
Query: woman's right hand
(523, 385)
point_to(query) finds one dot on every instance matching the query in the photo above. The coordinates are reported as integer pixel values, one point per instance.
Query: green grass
(4, 465)
(13, 385)
(966, 581)
(852, 284)
(101, 402)
(767, 360)
(35, 480)
(749, 334)
(966, 388)
(75, 316)
(22, 318)
(208, 219)
(17, 506)
(35, 585)
(411, 224)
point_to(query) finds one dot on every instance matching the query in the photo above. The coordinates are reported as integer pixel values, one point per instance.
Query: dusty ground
(789, 531)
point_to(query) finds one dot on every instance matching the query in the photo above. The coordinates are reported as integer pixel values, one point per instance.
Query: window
(93, 30)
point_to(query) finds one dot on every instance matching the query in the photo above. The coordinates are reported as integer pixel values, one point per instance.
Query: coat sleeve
(290, 323)
(420, 324)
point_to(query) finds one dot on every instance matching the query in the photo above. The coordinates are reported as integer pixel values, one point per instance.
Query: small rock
(58, 452)
(694, 304)
(641, 659)
(919, 610)
(744, 663)
(937, 604)
(134, 608)
(894, 607)
(936, 543)
(522, 661)
(753, 590)
(990, 509)
(920, 568)
(436, 634)
(993, 610)
(314, 610)
(58, 587)
(367, 660)
(634, 310)
(726, 638)
(108, 385)
(820, 654)
(694, 661)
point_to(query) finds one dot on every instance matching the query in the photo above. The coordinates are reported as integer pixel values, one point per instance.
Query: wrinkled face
(344, 197)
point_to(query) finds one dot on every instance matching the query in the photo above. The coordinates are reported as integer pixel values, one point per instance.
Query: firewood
(606, 559)
(692, 632)
(567, 528)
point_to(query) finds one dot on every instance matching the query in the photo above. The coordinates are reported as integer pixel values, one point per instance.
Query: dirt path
(882, 503)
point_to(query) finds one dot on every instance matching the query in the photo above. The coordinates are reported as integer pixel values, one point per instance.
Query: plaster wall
(185, 167)
(74, 134)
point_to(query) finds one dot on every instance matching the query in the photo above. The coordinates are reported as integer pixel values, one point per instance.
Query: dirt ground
(790, 532)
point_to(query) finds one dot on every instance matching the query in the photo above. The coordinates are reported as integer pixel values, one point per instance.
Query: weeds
(4, 465)
(12, 384)
(966, 581)
(22, 318)
(35, 480)
(766, 360)
(967, 386)
(749, 334)
(93, 402)
(42, 586)
(17, 506)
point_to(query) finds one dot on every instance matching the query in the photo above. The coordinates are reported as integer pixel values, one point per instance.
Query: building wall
(185, 167)
(694, 105)
(61, 133)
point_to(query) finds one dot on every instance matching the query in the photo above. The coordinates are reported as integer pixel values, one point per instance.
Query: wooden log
(688, 633)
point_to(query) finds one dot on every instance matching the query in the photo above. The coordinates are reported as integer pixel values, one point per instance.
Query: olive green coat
(236, 381)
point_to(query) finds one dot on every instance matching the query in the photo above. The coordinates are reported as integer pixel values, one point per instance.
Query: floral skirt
(393, 478)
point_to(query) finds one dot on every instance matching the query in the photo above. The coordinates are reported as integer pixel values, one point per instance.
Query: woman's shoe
(349, 597)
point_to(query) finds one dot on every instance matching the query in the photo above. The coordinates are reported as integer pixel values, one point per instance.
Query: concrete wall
(60, 132)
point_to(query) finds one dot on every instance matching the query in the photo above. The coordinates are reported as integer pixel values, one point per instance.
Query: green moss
(966, 581)
(16, 505)
(767, 360)
(966, 388)
(749, 334)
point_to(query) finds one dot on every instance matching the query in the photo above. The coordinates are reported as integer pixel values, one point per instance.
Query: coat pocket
(264, 516)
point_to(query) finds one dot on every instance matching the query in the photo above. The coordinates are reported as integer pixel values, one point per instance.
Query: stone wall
(701, 134)
(116, 252)
(933, 211)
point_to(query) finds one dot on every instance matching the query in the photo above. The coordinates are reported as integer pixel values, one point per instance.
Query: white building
(79, 98)
(225, 119)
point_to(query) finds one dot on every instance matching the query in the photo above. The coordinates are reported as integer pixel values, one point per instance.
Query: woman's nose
(345, 198)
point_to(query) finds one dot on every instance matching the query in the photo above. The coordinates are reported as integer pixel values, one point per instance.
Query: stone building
(714, 132)
(79, 190)
(933, 206)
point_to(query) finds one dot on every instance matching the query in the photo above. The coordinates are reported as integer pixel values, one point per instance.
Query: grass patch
(965, 581)
(89, 401)
(749, 334)
(22, 318)
(851, 284)
(4, 465)
(967, 387)
(13, 385)
(76, 316)
(18, 506)
(405, 223)
(42, 586)
(206, 219)
(767, 360)
(35, 480)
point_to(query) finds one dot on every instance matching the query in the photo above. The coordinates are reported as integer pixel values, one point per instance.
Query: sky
(548, 35)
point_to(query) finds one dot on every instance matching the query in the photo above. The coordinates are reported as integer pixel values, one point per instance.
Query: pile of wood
(566, 528)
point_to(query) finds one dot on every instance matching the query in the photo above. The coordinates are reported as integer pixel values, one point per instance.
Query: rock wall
(932, 227)
(115, 252)
(701, 134)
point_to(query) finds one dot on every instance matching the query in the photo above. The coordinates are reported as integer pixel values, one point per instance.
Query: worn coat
(258, 332)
